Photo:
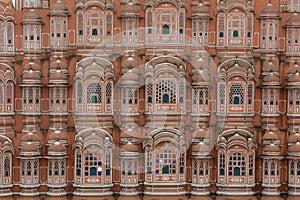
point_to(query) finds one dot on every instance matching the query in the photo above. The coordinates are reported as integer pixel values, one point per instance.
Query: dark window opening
(94, 32)
(166, 29)
(235, 34)
(221, 34)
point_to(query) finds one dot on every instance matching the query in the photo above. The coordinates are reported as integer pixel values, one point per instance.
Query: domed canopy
(270, 136)
(293, 21)
(58, 77)
(294, 138)
(200, 10)
(200, 149)
(270, 67)
(57, 135)
(295, 78)
(271, 79)
(58, 64)
(294, 69)
(294, 148)
(32, 74)
(129, 147)
(129, 9)
(31, 77)
(130, 78)
(30, 137)
(57, 149)
(29, 149)
(59, 8)
(129, 62)
(32, 17)
(272, 148)
(269, 11)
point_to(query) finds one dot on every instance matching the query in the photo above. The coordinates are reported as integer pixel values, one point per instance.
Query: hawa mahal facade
(177, 98)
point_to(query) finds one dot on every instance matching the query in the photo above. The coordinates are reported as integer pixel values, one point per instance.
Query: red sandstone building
(150, 98)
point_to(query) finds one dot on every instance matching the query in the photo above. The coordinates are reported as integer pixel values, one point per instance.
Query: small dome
(130, 78)
(271, 148)
(270, 67)
(295, 78)
(59, 8)
(130, 8)
(201, 134)
(58, 77)
(129, 147)
(57, 135)
(200, 76)
(270, 136)
(58, 64)
(200, 148)
(237, 137)
(293, 69)
(31, 77)
(29, 149)
(293, 20)
(57, 149)
(30, 137)
(269, 11)
(32, 65)
(271, 78)
(294, 138)
(294, 148)
(200, 9)
(130, 62)
(32, 16)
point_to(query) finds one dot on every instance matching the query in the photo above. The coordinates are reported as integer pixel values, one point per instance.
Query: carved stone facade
(149, 98)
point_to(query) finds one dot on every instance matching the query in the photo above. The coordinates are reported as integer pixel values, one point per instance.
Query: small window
(235, 34)
(250, 172)
(181, 31)
(80, 32)
(93, 171)
(31, 37)
(57, 34)
(149, 31)
(222, 172)
(236, 100)
(249, 34)
(221, 34)
(166, 29)
(237, 171)
(94, 32)
(166, 98)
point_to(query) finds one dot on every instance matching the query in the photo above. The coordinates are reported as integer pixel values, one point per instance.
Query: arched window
(236, 94)
(237, 165)
(166, 29)
(93, 165)
(94, 93)
(222, 94)
(93, 171)
(79, 93)
(165, 162)
(166, 98)
(7, 167)
(235, 34)
(166, 91)
(222, 164)
(95, 32)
